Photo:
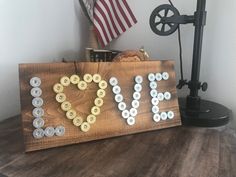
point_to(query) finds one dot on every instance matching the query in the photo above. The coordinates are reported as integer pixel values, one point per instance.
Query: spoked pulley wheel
(158, 18)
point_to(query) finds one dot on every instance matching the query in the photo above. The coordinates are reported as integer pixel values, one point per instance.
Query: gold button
(60, 97)
(71, 114)
(97, 78)
(82, 85)
(66, 106)
(85, 126)
(65, 81)
(102, 84)
(91, 119)
(95, 110)
(77, 121)
(58, 88)
(88, 78)
(101, 93)
(98, 102)
(74, 79)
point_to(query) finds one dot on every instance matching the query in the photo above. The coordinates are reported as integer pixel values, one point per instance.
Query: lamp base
(210, 114)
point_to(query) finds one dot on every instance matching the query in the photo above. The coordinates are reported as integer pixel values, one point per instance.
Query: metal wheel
(157, 17)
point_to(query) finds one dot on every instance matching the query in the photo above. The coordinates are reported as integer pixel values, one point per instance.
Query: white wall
(43, 31)
(36, 31)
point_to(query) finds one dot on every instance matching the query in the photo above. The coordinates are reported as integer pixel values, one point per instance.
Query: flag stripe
(112, 16)
(111, 19)
(107, 20)
(101, 29)
(129, 10)
(123, 14)
(120, 15)
(104, 24)
(98, 33)
(117, 17)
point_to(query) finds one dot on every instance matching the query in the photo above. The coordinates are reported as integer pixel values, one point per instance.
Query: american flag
(111, 18)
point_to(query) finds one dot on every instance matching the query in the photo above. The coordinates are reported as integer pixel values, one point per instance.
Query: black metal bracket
(181, 19)
(200, 18)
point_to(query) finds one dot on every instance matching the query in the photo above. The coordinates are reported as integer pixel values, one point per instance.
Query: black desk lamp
(165, 20)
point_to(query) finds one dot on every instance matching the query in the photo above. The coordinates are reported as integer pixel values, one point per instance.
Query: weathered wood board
(109, 123)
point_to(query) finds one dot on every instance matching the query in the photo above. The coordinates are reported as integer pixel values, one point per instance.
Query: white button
(37, 102)
(170, 114)
(135, 103)
(151, 77)
(138, 87)
(131, 121)
(155, 101)
(36, 92)
(153, 85)
(155, 109)
(116, 89)
(156, 117)
(160, 96)
(35, 82)
(38, 112)
(158, 76)
(136, 95)
(38, 123)
(138, 79)
(118, 98)
(113, 81)
(38, 133)
(165, 75)
(121, 106)
(133, 112)
(125, 114)
(167, 95)
(153, 93)
(49, 131)
(163, 116)
(60, 130)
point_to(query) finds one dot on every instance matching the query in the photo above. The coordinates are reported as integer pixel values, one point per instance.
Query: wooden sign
(67, 103)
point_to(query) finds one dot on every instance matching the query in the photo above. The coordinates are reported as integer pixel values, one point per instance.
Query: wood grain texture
(109, 123)
(175, 152)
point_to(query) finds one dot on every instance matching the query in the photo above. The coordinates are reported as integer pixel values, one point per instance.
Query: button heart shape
(82, 85)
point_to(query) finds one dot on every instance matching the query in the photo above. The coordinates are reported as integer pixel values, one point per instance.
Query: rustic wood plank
(174, 152)
(10, 130)
(109, 123)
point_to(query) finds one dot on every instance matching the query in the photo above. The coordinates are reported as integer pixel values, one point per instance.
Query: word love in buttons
(157, 97)
(130, 114)
(82, 85)
(38, 113)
